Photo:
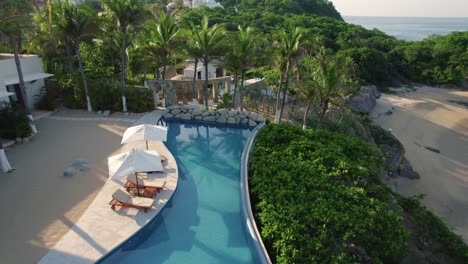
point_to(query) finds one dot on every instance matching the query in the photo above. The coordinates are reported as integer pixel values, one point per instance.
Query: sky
(411, 8)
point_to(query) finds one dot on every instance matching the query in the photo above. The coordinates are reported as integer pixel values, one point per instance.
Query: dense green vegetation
(318, 199)
(13, 122)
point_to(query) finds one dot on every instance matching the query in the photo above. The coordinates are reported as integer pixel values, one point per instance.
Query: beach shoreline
(432, 125)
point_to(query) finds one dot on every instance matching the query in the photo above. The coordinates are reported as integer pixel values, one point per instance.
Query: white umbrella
(133, 161)
(145, 132)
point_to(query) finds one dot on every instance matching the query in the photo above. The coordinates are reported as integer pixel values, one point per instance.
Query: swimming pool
(203, 222)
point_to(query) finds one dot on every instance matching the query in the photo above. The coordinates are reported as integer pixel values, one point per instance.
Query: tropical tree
(128, 13)
(75, 23)
(210, 41)
(331, 79)
(287, 48)
(232, 65)
(165, 35)
(244, 50)
(15, 19)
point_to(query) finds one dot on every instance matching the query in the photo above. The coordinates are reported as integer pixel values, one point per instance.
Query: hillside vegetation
(318, 199)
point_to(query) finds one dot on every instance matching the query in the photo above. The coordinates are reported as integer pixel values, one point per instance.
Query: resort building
(33, 76)
(197, 3)
(214, 71)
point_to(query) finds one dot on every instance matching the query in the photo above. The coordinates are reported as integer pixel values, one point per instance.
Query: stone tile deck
(100, 229)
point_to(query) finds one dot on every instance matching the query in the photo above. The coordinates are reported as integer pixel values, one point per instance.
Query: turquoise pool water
(203, 222)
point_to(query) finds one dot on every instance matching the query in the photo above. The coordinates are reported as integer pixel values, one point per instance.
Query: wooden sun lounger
(120, 198)
(146, 183)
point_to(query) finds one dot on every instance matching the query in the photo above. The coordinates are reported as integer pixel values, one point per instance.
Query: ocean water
(411, 28)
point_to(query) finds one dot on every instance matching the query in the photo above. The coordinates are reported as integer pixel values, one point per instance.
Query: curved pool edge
(245, 199)
(100, 230)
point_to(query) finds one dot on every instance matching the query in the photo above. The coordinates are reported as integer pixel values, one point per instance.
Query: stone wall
(220, 116)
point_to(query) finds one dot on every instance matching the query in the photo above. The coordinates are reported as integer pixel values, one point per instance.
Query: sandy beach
(438, 119)
(39, 203)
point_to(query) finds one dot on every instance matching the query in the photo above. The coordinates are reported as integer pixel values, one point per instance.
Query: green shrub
(431, 232)
(13, 122)
(318, 199)
(226, 101)
(139, 99)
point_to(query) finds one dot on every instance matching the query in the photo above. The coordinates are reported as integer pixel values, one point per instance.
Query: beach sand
(438, 119)
(39, 204)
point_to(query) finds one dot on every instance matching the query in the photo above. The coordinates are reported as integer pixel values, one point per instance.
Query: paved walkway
(101, 229)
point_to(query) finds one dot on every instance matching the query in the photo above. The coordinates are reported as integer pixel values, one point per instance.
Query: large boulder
(364, 100)
(176, 112)
(389, 145)
(185, 116)
(209, 118)
(223, 111)
(196, 111)
(232, 120)
(221, 119)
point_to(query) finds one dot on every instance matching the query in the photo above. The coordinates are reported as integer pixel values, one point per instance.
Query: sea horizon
(411, 28)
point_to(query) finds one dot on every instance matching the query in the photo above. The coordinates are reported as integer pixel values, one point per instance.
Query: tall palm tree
(287, 48)
(332, 79)
(195, 52)
(244, 49)
(210, 40)
(75, 23)
(232, 65)
(164, 34)
(14, 21)
(128, 13)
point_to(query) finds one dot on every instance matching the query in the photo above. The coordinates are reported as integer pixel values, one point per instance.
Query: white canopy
(144, 132)
(5, 94)
(27, 77)
(133, 161)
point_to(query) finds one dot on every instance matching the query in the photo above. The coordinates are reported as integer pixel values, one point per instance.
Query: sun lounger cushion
(124, 198)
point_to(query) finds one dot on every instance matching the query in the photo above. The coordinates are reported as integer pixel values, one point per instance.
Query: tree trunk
(322, 112)
(83, 76)
(278, 99)
(23, 95)
(70, 62)
(241, 89)
(304, 121)
(205, 62)
(164, 67)
(194, 93)
(122, 70)
(286, 82)
(235, 91)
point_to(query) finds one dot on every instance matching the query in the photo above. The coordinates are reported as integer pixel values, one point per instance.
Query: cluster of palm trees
(140, 33)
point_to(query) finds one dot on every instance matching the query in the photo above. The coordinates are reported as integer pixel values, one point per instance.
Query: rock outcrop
(220, 116)
(364, 100)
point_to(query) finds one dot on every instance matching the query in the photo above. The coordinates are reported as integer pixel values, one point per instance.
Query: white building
(214, 71)
(197, 3)
(33, 76)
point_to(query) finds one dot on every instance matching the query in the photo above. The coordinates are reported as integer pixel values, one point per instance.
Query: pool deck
(100, 229)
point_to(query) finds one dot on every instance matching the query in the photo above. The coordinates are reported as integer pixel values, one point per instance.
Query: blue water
(411, 28)
(202, 223)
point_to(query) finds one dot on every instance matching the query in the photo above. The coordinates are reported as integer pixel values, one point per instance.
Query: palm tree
(232, 64)
(74, 23)
(331, 79)
(164, 34)
(210, 40)
(195, 52)
(288, 48)
(245, 43)
(14, 21)
(128, 13)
